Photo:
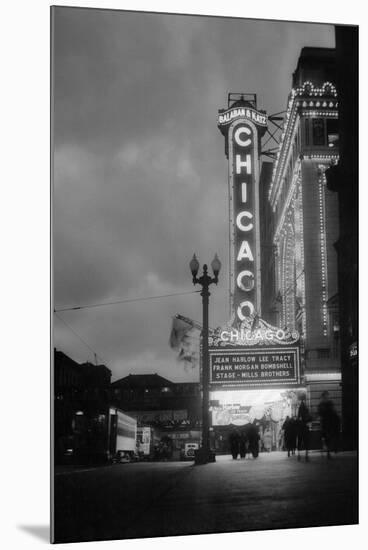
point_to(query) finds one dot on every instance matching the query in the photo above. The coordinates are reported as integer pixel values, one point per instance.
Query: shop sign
(226, 117)
(179, 435)
(144, 417)
(255, 367)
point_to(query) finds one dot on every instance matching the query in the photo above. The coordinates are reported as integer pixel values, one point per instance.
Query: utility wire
(79, 337)
(87, 306)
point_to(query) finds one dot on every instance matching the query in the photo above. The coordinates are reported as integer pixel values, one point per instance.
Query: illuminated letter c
(249, 281)
(243, 142)
(239, 221)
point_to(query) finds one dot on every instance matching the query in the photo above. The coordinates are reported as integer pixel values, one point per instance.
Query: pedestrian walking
(243, 443)
(330, 423)
(293, 434)
(253, 438)
(302, 430)
(289, 435)
(234, 443)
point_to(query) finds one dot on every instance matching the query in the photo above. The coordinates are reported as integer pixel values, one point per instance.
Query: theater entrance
(267, 409)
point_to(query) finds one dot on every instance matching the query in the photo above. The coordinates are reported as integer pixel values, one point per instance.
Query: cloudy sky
(140, 175)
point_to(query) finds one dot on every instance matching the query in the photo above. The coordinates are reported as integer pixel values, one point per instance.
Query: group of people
(244, 441)
(296, 429)
(296, 432)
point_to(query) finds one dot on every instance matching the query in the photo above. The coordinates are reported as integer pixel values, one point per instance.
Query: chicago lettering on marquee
(252, 332)
(245, 282)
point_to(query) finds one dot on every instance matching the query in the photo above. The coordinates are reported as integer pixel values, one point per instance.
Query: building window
(318, 130)
(332, 133)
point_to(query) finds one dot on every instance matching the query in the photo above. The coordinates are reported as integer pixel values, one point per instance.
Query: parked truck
(122, 436)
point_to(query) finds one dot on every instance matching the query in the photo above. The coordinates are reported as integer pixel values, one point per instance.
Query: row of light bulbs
(291, 115)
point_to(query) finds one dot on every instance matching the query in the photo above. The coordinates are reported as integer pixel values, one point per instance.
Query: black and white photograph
(204, 274)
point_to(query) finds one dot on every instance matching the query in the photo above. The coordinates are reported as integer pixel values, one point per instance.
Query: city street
(173, 498)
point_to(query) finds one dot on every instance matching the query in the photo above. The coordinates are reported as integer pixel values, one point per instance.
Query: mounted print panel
(205, 349)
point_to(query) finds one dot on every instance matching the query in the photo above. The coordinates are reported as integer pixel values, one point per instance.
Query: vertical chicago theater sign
(248, 352)
(243, 126)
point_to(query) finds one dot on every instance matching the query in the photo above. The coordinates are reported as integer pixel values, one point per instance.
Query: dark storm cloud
(116, 76)
(140, 176)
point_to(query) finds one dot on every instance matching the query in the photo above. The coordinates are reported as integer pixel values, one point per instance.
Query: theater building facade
(306, 225)
(260, 372)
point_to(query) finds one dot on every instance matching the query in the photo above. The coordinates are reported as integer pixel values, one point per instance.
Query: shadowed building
(343, 179)
(81, 403)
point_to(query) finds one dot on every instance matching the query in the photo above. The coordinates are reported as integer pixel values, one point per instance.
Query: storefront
(267, 409)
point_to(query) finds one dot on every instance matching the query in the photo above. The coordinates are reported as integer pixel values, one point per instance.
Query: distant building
(306, 222)
(96, 386)
(140, 391)
(173, 409)
(81, 404)
(157, 400)
(67, 400)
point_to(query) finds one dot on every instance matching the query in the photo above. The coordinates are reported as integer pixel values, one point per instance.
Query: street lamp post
(203, 456)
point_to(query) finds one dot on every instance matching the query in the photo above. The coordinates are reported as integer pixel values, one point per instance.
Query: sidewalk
(166, 498)
(270, 492)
